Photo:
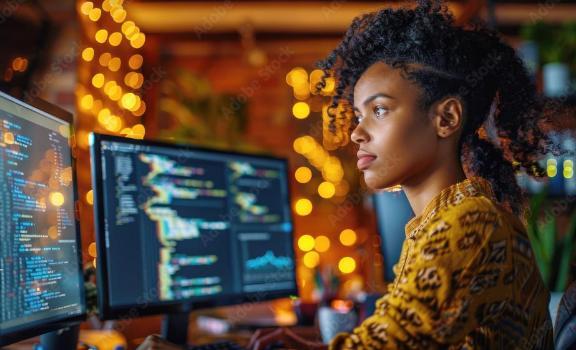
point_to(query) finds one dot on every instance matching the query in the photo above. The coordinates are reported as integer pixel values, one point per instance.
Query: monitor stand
(62, 339)
(175, 328)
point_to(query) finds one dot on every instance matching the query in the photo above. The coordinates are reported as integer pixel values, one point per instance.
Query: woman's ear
(448, 116)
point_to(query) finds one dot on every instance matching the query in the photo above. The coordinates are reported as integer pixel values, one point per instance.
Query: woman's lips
(364, 161)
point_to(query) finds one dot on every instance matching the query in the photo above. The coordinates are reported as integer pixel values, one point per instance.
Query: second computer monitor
(180, 227)
(41, 283)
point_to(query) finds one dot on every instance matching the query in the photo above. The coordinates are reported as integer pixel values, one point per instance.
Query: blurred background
(237, 75)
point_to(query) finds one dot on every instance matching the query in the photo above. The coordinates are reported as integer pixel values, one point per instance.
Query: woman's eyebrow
(373, 97)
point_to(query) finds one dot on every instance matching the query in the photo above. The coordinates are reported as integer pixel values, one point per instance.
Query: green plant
(553, 251)
(556, 43)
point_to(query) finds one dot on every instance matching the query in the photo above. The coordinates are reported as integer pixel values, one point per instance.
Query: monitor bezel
(108, 312)
(52, 324)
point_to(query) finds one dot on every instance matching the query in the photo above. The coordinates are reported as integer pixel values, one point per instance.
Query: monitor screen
(41, 284)
(183, 225)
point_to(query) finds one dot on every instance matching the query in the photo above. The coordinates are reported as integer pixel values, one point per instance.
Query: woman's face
(396, 138)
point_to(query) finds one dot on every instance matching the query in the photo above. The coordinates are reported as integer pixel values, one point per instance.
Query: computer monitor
(41, 283)
(181, 227)
(393, 211)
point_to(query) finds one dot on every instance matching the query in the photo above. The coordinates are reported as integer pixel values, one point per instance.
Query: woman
(420, 94)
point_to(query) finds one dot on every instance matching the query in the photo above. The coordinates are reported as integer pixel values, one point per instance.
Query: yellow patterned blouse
(466, 279)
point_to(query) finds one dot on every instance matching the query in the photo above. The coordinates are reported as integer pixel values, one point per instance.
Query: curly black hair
(445, 59)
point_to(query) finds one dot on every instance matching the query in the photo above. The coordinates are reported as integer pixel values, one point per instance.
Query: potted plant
(554, 251)
(556, 48)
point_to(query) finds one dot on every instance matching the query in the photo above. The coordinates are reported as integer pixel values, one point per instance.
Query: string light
(57, 199)
(114, 64)
(92, 250)
(301, 110)
(138, 40)
(98, 80)
(88, 54)
(101, 36)
(115, 39)
(94, 14)
(311, 259)
(348, 237)
(135, 61)
(306, 243)
(326, 190)
(551, 167)
(347, 265)
(303, 207)
(86, 7)
(303, 174)
(568, 171)
(322, 244)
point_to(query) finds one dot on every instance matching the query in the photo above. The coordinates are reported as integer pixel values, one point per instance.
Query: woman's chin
(375, 182)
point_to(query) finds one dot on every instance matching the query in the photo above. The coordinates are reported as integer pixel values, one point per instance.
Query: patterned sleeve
(451, 282)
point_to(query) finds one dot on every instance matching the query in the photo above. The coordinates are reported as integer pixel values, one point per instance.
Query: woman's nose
(359, 135)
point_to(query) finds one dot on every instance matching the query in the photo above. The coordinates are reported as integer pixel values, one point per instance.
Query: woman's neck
(420, 191)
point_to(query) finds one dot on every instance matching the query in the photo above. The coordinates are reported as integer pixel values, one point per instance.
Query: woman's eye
(379, 111)
(357, 119)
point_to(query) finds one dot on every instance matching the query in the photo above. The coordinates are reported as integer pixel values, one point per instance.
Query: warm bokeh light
(90, 197)
(53, 232)
(568, 171)
(297, 77)
(551, 167)
(86, 102)
(98, 80)
(303, 174)
(19, 64)
(304, 144)
(348, 237)
(105, 59)
(322, 244)
(118, 15)
(101, 36)
(332, 170)
(306, 243)
(326, 189)
(114, 64)
(88, 54)
(92, 250)
(347, 265)
(311, 259)
(138, 40)
(330, 85)
(8, 138)
(301, 110)
(115, 38)
(303, 207)
(135, 61)
(139, 129)
(95, 14)
(57, 199)
(116, 93)
(315, 77)
(86, 7)
(130, 30)
(109, 86)
(140, 111)
(129, 101)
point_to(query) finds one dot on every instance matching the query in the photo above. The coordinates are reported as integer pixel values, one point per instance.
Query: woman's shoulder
(472, 208)
(467, 216)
